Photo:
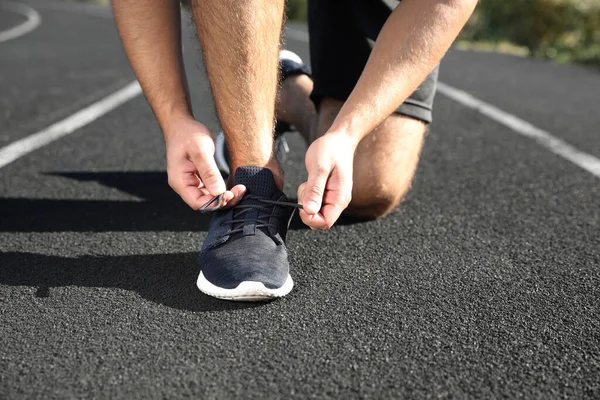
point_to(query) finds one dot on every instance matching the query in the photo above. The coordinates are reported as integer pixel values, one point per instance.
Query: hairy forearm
(151, 35)
(412, 42)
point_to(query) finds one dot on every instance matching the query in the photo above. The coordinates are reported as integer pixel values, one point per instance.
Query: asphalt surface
(484, 283)
(10, 19)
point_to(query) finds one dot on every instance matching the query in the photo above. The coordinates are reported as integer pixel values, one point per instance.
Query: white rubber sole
(289, 55)
(245, 291)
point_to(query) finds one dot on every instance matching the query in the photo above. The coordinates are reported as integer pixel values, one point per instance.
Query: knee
(374, 205)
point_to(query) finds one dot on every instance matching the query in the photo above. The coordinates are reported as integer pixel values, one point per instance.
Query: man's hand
(328, 191)
(191, 166)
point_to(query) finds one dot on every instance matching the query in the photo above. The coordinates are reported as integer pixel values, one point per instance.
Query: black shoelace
(240, 210)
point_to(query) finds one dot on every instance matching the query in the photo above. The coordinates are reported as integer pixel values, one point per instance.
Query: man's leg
(240, 44)
(385, 161)
(244, 256)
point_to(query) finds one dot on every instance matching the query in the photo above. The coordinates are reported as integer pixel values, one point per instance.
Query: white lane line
(94, 10)
(518, 125)
(524, 128)
(68, 125)
(32, 22)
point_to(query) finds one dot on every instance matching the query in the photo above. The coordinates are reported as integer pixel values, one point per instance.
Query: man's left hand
(328, 190)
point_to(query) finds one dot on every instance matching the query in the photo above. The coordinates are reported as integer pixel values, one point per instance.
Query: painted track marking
(68, 125)
(33, 21)
(543, 138)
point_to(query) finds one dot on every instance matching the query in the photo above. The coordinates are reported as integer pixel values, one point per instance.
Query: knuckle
(198, 147)
(210, 175)
(316, 191)
(188, 143)
(196, 152)
(321, 168)
(207, 147)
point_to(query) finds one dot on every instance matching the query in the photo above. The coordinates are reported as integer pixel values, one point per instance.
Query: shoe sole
(245, 291)
(290, 55)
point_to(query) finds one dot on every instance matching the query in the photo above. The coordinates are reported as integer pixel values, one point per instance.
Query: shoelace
(242, 209)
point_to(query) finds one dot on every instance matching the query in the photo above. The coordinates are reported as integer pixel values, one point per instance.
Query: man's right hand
(191, 166)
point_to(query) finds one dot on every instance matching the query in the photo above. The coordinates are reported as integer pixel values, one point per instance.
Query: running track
(484, 283)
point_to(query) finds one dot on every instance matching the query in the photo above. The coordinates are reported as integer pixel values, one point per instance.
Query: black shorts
(342, 34)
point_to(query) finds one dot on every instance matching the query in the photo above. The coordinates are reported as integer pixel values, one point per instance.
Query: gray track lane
(68, 62)
(484, 283)
(561, 98)
(10, 19)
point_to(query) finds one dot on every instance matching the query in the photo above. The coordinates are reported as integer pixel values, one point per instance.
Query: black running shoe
(244, 256)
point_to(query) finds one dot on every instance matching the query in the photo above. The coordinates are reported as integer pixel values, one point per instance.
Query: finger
(330, 214)
(194, 196)
(180, 182)
(237, 192)
(325, 219)
(341, 198)
(191, 178)
(334, 203)
(199, 182)
(314, 222)
(314, 190)
(207, 169)
(300, 192)
(188, 186)
(229, 198)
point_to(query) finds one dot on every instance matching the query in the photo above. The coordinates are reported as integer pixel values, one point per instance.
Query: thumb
(314, 191)
(211, 177)
(209, 173)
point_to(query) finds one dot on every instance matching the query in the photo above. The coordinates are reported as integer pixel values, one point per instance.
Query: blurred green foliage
(562, 30)
(295, 10)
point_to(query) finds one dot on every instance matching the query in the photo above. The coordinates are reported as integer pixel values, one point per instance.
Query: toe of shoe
(227, 267)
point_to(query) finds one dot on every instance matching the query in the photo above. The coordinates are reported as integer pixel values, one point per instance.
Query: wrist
(170, 122)
(349, 126)
(346, 136)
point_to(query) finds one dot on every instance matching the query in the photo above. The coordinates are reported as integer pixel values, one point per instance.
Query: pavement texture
(484, 283)
(9, 20)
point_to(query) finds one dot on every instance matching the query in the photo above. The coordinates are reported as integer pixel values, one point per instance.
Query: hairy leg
(240, 44)
(295, 107)
(385, 161)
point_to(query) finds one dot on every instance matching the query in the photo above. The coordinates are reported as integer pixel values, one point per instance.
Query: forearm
(151, 35)
(411, 43)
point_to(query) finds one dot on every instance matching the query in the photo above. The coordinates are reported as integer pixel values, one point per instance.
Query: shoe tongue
(258, 181)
